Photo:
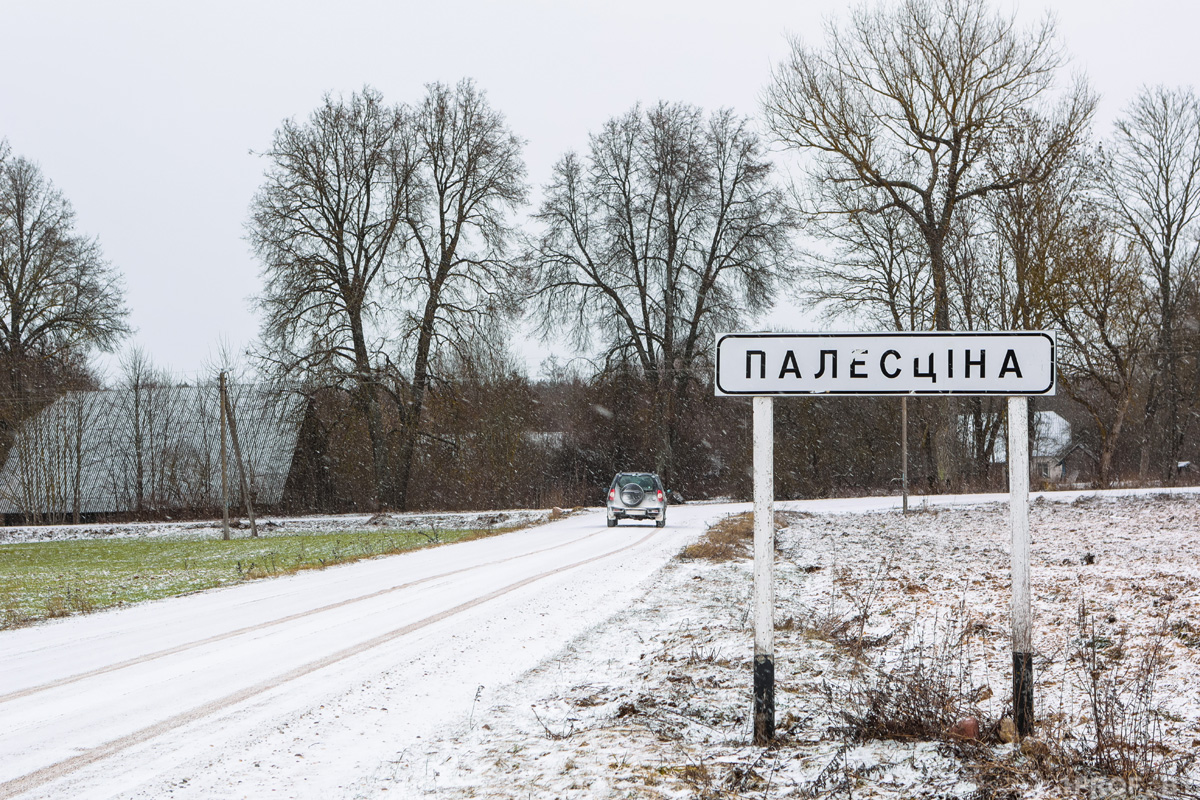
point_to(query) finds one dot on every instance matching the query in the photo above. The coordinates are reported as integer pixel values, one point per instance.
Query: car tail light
(612, 494)
(660, 495)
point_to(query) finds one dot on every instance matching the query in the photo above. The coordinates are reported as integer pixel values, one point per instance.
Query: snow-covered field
(655, 703)
(569, 661)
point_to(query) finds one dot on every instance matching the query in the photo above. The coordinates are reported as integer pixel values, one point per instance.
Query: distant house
(1051, 441)
(1076, 462)
(146, 450)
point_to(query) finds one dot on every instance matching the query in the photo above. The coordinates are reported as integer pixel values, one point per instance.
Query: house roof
(162, 444)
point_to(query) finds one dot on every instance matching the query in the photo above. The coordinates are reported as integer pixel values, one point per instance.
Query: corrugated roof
(94, 447)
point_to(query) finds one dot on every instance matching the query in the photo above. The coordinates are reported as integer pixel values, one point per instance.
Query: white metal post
(1022, 622)
(764, 571)
(904, 451)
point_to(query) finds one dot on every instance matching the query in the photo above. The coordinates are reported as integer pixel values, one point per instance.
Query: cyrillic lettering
(949, 363)
(883, 365)
(855, 363)
(833, 369)
(1010, 358)
(762, 363)
(790, 365)
(917, 369)
(979, 363)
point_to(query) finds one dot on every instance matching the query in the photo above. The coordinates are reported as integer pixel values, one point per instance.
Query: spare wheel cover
(632, 494)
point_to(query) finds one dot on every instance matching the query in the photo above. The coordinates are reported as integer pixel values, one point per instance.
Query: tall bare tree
(329, 225)
(900, 112)
(59, 298)
(1152, 181)
(456, 278)
(901, 108)
(1103, 311)
(670, 228)
(382, 231)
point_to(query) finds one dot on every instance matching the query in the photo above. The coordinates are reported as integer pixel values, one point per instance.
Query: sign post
(764, 571)
(1014, 364)
(1018, 513)
(904, 452)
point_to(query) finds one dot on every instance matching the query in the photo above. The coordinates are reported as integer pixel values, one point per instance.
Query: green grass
(54, 579)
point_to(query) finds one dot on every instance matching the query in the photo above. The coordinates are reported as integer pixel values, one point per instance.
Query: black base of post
(764, 700)
(1023, 692)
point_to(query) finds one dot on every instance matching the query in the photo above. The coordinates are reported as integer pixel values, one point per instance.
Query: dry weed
(730, 538)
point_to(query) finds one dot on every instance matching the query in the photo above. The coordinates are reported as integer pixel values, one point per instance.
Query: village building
(147, 451)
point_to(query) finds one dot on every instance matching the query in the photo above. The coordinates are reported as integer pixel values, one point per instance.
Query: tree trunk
(944, 444)
(412, 417)
(1171, 371)
(941, 291)
(368, 403)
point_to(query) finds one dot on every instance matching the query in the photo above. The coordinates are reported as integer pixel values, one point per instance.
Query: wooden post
(764, 571)
(237, 453)
(224, 468)
(904, 451)
(1022, 621)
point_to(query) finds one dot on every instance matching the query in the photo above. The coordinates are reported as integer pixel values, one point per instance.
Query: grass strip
(41, 580)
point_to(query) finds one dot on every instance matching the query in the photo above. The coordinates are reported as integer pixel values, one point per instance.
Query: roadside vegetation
(731, 537)
(42, 580)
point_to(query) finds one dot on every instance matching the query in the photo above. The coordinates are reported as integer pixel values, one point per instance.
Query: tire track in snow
(37, 778)
(221, 637)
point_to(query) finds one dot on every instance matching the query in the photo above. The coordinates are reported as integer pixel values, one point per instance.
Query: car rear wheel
(662, 523)
(612, 522)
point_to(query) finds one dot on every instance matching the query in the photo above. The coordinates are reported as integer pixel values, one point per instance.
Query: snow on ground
(211, 529)
(655, 703)
(626, 679)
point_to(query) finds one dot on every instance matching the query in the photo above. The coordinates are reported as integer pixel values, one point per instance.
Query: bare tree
(668, 230)
(1102, 308)
(1152, 181)
(1008, 253)
(877, 271)
(455, 279)
(902, 106)
(59, 298)
(1032, 225)
(328, 225)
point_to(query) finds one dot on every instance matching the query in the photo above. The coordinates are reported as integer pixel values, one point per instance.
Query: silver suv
(637, 495)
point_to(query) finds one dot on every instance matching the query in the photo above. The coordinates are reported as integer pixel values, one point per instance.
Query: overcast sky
(146, 114)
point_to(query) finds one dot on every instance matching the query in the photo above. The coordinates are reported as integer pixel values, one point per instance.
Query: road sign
(1012, 363)
(967, 363)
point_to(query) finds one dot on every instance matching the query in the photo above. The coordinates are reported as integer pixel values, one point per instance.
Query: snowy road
(303, 686)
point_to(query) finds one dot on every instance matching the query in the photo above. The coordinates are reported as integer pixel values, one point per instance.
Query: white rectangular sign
(998, 363)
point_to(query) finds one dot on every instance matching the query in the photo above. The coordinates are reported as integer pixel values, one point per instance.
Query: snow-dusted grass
(323, 523)
(57, 578)
(655, 704)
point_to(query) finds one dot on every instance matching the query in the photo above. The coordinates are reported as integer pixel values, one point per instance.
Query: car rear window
(644, 481)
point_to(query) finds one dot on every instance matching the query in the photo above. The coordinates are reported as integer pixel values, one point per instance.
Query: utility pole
(224, 468)
(237, 453)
